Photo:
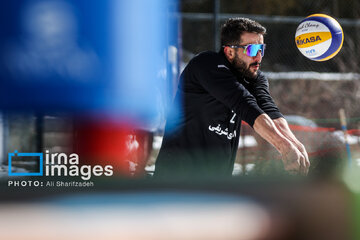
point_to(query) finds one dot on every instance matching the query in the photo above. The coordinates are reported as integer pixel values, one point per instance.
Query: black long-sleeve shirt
(214, 99)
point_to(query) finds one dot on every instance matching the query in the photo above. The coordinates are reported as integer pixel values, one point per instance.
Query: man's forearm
(267, 129)
(282, 125)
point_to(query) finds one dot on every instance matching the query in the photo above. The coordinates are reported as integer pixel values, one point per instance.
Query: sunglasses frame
(245, 48)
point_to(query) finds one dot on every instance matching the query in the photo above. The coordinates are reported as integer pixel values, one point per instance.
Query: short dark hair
(233, 28)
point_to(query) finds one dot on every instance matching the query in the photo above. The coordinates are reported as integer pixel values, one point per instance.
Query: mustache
(256, 64)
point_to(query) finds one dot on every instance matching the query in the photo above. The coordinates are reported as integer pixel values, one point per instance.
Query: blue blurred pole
(344, 128)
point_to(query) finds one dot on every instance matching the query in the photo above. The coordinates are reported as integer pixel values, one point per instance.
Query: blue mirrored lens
(253, 49)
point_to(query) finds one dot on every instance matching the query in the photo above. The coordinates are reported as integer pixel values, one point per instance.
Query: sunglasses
(251, 49)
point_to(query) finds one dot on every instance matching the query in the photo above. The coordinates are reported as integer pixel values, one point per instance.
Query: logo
(25, 155)
(308, 40)
(312, 39)
(57, 164)
(310, 52)
(304, 26)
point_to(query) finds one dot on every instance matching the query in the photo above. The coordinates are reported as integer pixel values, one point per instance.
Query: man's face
(246, 65)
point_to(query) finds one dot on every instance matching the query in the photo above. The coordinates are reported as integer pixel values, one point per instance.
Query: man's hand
(283, 127)
(294, 161)
(306, 163)
(294, 155)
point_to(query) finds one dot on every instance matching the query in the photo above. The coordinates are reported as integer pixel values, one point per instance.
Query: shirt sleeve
(261, 92)
(222, 84)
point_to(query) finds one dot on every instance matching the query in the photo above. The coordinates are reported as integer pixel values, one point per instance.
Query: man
(217, 92)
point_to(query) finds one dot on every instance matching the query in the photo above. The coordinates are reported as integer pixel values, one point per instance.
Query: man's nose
(258, 56)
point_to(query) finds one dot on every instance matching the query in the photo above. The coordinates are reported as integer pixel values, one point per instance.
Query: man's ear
(229, 53)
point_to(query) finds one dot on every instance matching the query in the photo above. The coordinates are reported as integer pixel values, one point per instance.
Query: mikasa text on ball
(319, 37)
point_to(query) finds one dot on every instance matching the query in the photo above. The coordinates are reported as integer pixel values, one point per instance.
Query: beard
(242, 67)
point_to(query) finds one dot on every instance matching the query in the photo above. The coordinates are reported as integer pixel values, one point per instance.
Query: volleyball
(319, 37)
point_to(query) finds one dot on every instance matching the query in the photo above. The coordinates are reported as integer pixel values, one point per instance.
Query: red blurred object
(111, 143)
